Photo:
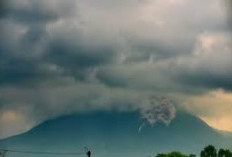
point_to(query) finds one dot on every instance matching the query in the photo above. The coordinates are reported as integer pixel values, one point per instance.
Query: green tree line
(208, 151)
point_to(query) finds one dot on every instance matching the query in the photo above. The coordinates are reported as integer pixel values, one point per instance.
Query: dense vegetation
(209, 151)
(172, 154)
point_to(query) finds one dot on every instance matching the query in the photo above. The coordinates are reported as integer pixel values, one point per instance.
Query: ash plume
(157, 109)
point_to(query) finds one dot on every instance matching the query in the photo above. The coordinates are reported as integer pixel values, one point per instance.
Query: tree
(228, 153)
(172, 154)
(224, 153)
(221, 153)
(161, 155)
(209, 151)
(176, 154)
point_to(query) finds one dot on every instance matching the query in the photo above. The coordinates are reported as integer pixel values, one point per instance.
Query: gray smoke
(157, 109)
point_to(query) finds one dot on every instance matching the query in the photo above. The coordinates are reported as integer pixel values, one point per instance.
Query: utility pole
(88, 153)
(2, 153)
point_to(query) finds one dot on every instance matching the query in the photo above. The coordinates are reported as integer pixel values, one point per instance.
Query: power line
(40, 152)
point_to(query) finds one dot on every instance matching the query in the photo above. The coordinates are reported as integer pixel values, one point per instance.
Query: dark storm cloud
(73, 59)
(18, 71)
(21, 72)
(36, 47)
(32, 14)
(73, 55)
(76, 60)
(34, 34)
(33, 11)
(157, 52)
(112, 78)
(206, 80)
(2, 5)
(29, 60)
(17, 66)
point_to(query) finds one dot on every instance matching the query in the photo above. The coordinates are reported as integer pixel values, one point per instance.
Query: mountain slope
(116, 134)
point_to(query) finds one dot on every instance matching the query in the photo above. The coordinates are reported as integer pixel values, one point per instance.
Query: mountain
(116, 134)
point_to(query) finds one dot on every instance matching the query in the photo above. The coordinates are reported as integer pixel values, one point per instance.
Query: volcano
(116, 134)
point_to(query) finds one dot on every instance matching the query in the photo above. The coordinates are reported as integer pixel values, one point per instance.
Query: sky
(62, 57)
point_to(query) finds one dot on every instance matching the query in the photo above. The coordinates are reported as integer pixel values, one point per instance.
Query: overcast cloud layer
(63, 56)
